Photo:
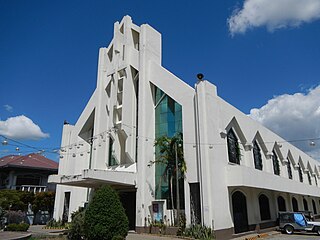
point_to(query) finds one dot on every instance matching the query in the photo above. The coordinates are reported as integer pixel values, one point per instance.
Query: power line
(105, 134)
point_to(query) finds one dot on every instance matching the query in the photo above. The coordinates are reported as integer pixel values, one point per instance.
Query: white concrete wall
(205, 147)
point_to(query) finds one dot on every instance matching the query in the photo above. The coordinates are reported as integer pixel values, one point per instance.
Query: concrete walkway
(39, 231)
(14, 235)
(135, 236)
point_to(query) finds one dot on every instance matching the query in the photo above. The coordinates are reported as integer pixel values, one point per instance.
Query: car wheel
(288, 229)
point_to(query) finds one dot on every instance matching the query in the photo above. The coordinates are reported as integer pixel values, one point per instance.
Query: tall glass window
(112, 160)
(289, 169)
(309, 178)
(257, 156)
(168, 122)
(300, 173)
(275, 161)
(233, 147)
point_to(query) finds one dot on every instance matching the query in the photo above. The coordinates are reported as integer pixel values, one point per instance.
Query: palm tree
(170, 154)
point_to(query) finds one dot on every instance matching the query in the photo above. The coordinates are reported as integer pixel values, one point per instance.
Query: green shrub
(21, 227)
(182, 225)
(199, 232)
(15, 216)
(15, 200)
(105, 216)
(55, 224)
(76, 227)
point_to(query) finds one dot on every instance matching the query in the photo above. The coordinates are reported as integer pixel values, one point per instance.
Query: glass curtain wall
(168, 122)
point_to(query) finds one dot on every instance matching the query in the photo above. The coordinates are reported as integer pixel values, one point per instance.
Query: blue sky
(253, 54)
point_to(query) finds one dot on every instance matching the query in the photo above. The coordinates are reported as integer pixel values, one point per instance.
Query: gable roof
(32, 160)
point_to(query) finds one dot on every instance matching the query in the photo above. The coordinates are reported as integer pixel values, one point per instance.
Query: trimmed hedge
(105, 217)
(76, 227)
(21, 227)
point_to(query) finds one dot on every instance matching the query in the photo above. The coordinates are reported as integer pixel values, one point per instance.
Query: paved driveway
(134, 236)
(297, 236)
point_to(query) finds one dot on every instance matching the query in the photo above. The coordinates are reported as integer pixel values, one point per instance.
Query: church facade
(238, 173)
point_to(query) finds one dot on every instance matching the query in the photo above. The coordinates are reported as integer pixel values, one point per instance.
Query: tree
(105, 217)
(43, 201)
(170, 154)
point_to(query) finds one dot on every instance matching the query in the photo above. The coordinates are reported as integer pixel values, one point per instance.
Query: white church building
(239, 173)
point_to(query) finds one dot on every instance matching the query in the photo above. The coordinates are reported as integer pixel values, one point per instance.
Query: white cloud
(294, 117)
(8, 108)
(273, 14)
(21, 127)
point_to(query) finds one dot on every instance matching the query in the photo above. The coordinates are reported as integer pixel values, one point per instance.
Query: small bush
(2, 219)
(199, 232)
(52, 223)
(15, 216)
(76, 227)
(105, 216)
(182, 225)
(21, 227)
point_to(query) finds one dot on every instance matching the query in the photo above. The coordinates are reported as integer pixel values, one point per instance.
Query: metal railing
(30, 188)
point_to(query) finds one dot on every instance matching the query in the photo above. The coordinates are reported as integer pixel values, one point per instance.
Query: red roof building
(27, 173)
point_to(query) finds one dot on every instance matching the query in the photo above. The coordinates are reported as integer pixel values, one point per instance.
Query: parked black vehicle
(290, 222)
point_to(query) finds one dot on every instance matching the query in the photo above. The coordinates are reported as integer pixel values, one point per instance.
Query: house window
(28, 180)
(233, 147)
(264, 207)
(300, 173)
(275, 161)
(315, 179)
(289, 169)
(257, 156)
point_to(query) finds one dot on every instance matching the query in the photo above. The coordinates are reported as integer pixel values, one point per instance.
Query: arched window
(233, 147)
(275, 161)
(281, 204)
(289, 169)
(264, 207)
(305, 205)
(240, 216)
(295, 207)
(257, 156)
(314, 207)
(300, 173)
